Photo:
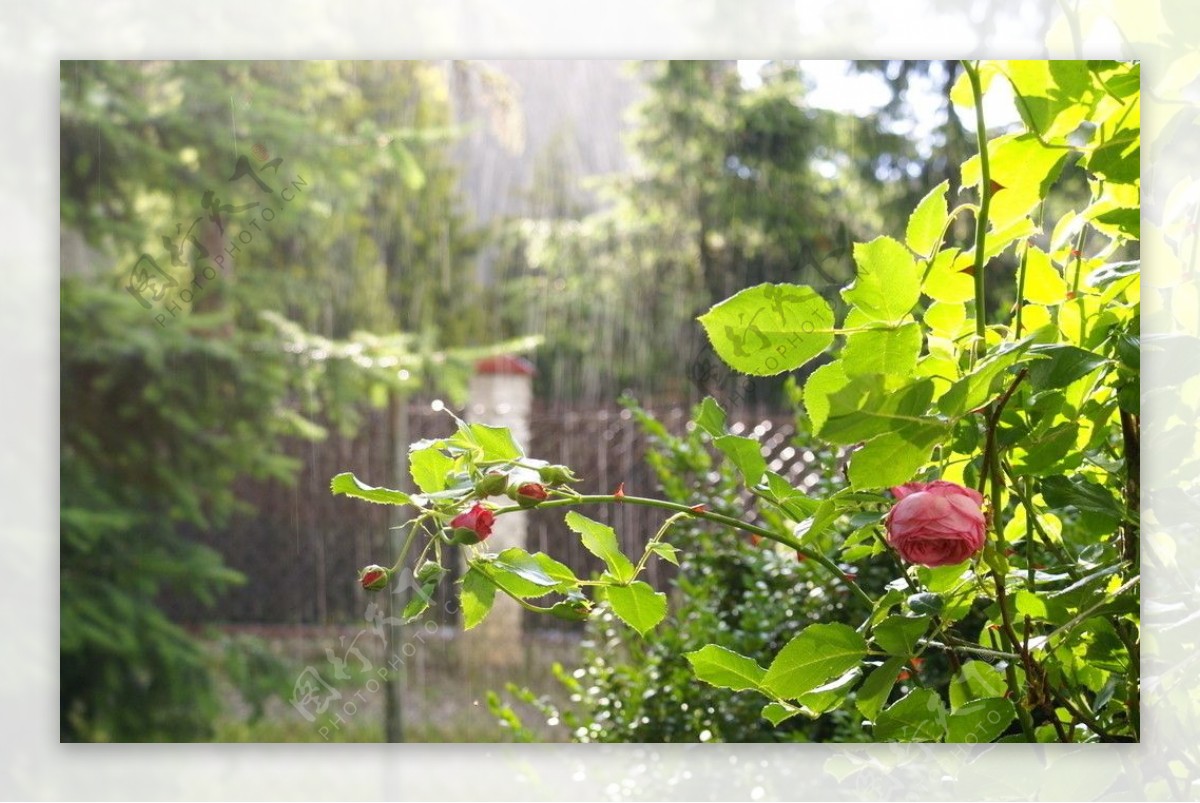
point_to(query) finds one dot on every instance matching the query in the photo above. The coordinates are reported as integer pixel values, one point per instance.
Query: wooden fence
(302, 547)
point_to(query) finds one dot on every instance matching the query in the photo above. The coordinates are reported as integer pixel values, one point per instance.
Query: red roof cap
(505, 364)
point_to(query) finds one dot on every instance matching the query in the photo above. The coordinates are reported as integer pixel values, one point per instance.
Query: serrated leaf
(894, 457)
(975, 680)
(980, 722)
(883, 351)
(349, 485)
(1043, 283)
(665, 551)
(973, 390)
(518, 562)
(769, 329)
(725, 668)
(637, 605)
(1081, 493)
(428, 468)
(919, 716)
(900, 635)
(559, 572)
(888, 280)
(925, 603)
(875, 689)
(927, 221)
(821, 386)
(776, 713)
(820, 652)
(1060, 365)
(601, 541)
(476, 598)
(710, 417)
(946, 281)
(496, 443)
(830, 695)
(746, 454)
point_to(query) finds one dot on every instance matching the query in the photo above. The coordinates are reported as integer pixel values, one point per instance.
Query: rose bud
(491, 484)
(374, 578)
(529, 494)
(556, 475)
(472, 526)
(936, 524)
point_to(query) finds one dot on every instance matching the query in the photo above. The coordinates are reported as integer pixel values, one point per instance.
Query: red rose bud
(491, 484)
(530, 494)
(374, 578)
(472, 526)
(936, 524)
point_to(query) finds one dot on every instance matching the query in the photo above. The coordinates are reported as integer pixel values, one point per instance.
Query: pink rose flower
(936, 524)
(473, 526)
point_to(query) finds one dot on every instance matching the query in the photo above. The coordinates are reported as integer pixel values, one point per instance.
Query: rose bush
(936, 524)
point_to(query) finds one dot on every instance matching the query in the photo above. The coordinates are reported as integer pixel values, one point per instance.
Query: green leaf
(867, 407)
(976, 680)
(875, 689)
(637, 605)
(980, 721)
(819, 653)
(976, 388)
(746, 454)
(946, 281)
(665, 551)
(821, 386)
(534, 580)
(419, 602)
(1043, 283)
(944, 319)
(429, 468)
(888, 282)
(769, 329)
(601, 541)
(927, 221)
(919, 716)
(725, 669)
(710, 417)
(349, 485)
(776, 712)
(925, 603)
(883, 351)
(1043, 454)
(893, 458)
(1118, 159)
(559, 572)
(1081, 493)
(496, 442)
(830, 695)
(476, 597)
(792, 501)
(1060, 365)
(899, 635)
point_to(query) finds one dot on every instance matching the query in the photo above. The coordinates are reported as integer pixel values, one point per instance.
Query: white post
(501, 395)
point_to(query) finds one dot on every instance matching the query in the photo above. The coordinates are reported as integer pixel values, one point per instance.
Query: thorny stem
(985, 202)
(697, 512)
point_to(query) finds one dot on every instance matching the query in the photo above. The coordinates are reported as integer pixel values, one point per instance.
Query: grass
(444, 686)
